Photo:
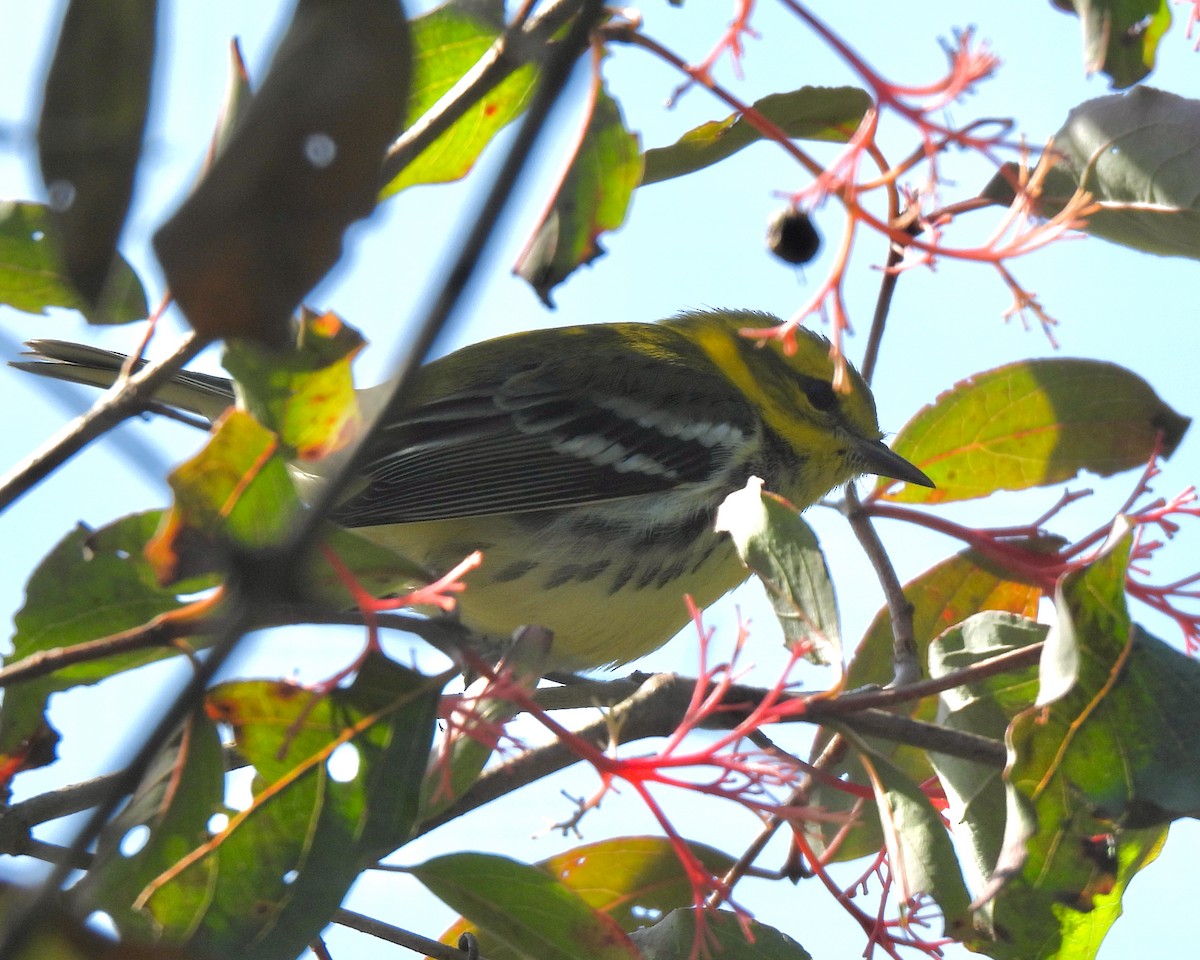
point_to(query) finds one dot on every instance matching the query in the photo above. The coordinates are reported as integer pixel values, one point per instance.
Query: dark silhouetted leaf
(90, 133)
(266, 221)
(1032, 424)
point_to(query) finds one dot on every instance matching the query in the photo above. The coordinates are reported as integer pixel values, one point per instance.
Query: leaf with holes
(337, 785)
(93, 585)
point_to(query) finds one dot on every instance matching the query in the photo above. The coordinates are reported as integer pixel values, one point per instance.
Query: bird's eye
(820, 394)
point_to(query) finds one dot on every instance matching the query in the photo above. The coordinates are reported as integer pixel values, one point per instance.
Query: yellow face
(831, 434)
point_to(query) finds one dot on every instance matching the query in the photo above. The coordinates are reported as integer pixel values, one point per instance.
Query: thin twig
(398, 936)
(887, 285)
(105, 414)
(905, 661)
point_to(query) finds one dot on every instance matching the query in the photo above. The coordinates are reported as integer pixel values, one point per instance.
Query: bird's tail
(199, 393)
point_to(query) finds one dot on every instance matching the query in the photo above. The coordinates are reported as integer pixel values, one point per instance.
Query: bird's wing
(553, 436)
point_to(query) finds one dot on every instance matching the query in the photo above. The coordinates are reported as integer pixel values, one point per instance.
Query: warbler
(587, 463)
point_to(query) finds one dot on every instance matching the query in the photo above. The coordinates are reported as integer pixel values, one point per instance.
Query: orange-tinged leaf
(524, 907)
(306, 395)
(634, 880)
(1031, 424)
(236, 490)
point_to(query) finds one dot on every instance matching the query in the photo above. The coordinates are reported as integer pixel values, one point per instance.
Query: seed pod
(792, 237)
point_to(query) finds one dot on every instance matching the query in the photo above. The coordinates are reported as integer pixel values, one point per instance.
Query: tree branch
(105, 414)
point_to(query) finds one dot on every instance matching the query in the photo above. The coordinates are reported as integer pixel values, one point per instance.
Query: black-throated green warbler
(587, 464)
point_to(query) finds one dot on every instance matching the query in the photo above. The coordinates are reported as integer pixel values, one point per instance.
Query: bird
(587, 464)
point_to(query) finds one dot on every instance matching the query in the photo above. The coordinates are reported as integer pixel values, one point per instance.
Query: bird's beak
(875, 458)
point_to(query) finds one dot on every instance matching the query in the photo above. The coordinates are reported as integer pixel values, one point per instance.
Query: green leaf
(447, 43)
(592, 199)
(1031, 424)
(380, 570)
(306, 394)
(676, 936)
(93, 584)
(1097, 772)
(810, 113)
(266, 221)
(631, 879)
(1120, 37)
(775, 542)
(174, 805)
(920, 853)
(942, 597)
(1137, 156)
(532, 913)
(313, 827)
(466, 747)
(32, 279)
(90, 134)
(236, 490)
(976, 792)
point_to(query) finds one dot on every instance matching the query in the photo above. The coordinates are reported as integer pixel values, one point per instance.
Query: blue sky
(690, 243)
